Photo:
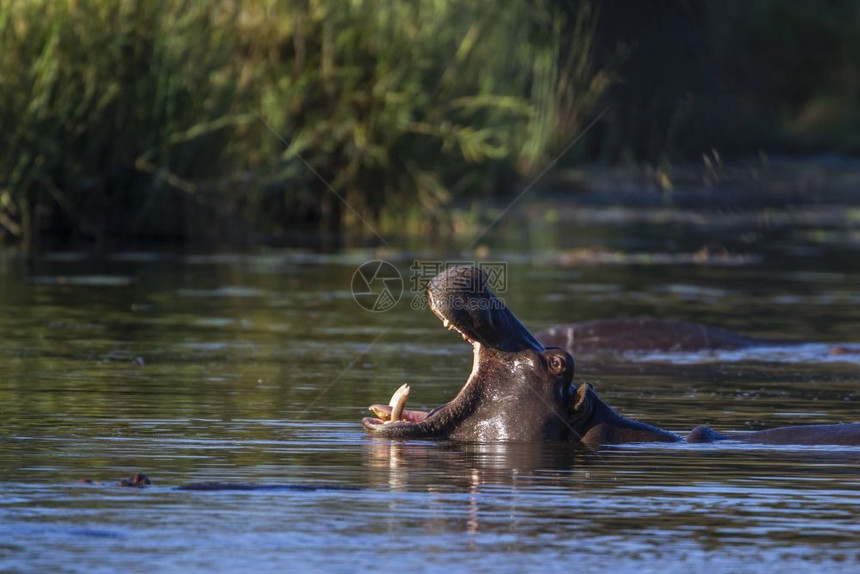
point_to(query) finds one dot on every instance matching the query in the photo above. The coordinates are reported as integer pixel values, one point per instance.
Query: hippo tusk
(398, 402)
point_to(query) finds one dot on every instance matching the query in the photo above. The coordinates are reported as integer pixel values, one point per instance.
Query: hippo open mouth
(520, 391)
(461, 298)
(517, 390)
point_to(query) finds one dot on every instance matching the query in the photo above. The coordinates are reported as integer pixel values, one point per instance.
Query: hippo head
(517, 391)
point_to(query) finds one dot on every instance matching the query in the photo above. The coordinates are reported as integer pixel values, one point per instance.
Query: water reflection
(472, 465)
(678, 502)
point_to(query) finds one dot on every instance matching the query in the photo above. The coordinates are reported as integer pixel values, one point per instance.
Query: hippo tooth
(397, 402)
(380, 413)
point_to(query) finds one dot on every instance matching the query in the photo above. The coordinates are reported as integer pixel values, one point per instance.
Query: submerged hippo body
(645, 334)
(598, 424)
(140, 480)
(520, 390)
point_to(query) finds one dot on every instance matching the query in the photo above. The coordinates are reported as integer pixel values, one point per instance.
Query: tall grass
(142, 119)
(111, 110)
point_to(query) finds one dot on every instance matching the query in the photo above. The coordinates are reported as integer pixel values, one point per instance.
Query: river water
(256, 368)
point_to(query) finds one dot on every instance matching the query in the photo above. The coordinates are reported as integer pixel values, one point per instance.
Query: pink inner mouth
(384, 414)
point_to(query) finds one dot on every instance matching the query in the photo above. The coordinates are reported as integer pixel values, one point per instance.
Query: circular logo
(377, 286)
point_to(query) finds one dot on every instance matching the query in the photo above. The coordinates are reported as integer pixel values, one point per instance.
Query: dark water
(256, 368)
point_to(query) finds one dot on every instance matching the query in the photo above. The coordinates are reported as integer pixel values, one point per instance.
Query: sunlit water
(256, 369)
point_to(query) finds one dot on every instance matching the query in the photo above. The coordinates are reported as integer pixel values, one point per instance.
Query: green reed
(142, 119)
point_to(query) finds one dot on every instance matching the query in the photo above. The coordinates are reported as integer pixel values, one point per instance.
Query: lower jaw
(398, 400)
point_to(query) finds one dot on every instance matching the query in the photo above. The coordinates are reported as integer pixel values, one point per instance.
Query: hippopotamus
(140, 480)
(646, 334)
(521, 390)
(649, 334)
(136, 480)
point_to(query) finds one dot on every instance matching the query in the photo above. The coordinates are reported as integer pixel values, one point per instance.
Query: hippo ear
(582, 398)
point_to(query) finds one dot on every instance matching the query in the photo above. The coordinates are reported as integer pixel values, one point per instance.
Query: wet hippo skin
(521, 390)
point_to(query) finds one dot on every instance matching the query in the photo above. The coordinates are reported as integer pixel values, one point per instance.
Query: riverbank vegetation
(247, 121)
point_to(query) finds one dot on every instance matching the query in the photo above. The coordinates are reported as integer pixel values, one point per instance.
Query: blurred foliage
(158, 119)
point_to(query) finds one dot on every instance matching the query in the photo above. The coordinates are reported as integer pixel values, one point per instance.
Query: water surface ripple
(256, 370)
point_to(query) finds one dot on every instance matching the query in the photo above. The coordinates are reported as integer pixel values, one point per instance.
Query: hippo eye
(558, 362)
